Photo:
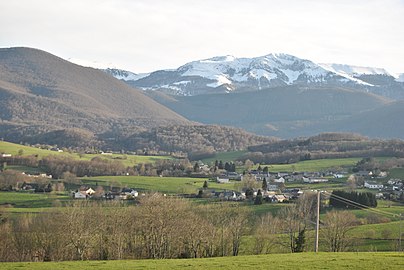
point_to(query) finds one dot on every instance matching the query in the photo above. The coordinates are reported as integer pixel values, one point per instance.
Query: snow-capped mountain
(124, 74)
(349, 70)
(224, 74)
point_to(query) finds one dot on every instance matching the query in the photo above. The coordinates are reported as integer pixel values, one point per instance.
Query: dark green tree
(264, 184)
(205, 184)
(258, 198)
(300, 241)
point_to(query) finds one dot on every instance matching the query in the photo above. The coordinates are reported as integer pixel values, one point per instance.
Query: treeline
(160, 227)
(57, 165)
(372, 164)
(198, 141)
(327, 145)
(352, 200)
(157, 228)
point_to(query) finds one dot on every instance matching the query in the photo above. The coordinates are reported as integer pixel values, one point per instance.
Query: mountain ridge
(225, 74)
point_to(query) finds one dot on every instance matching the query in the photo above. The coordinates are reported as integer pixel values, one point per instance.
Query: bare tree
(265, 234)
(295, 221)
(337, 224)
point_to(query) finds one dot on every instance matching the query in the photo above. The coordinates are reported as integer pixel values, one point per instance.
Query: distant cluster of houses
(121, 194)
(267, 195)
(282, 177)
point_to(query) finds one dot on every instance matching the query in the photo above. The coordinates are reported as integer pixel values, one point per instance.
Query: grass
(127, 160)
(170, 185)
(368, 260)
(224, 156)
(313, 165)
(396, 173)
(29, 200)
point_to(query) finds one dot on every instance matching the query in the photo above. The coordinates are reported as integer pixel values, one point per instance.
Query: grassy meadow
(313, 165)
(127, 160)
(170, 185)
(354, 260)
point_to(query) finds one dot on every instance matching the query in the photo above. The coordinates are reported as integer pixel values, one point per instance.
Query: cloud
(154, 34)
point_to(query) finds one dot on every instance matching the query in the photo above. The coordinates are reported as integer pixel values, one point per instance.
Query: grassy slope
(224, 156)
(160, 184)
(313, 165)
(29, 200)
(285, 261)
(127, 160)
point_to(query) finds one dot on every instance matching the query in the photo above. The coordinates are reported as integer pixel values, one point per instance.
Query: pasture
(354, 260)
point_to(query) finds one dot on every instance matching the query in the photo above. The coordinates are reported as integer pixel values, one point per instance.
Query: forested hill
(325, 145)
(40, 90)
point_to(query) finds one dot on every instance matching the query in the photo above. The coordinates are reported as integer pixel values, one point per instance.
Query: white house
(79, 195)
(90, 191)
(314, 180)
(373, 185)
(280, 180)
(222, 180)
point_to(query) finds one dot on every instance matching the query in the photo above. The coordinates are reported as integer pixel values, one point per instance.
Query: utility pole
(399, 236)
(317, 221)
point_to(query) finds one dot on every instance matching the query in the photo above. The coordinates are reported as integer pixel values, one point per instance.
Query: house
(5, 155)
(90, 191)
(280, 180)
(338, 175)
(277, 198)
(80, 195)
(314, 180)
(372, 185)
(272, 187)
(129, 192)
(234, 176)
(222, 180)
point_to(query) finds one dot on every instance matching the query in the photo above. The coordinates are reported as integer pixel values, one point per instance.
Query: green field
(169, 185)
(29, 200)
(224, 156)
(313, 165)
(127, 160)
(285, 261)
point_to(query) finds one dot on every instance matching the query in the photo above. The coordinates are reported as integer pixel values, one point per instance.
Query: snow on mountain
(229, 69)
(400, 77)
(223, 74)
(125, 75)
(354, 70)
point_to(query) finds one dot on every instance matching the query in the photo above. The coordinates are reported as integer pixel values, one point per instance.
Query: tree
(296, 220)
(205, 184)
(337, 224)
(196, 167)
(264, 184)
(258, 198)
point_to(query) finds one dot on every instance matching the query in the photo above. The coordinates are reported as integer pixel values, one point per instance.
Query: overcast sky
(146, 35)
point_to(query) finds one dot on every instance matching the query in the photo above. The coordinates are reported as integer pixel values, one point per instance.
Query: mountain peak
(223, 74)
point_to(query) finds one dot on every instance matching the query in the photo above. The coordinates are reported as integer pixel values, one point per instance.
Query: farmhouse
(372, 185)
(222, 180)
(80, 195)
(314, 180)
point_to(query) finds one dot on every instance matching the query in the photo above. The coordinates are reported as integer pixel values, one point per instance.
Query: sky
(147, 35)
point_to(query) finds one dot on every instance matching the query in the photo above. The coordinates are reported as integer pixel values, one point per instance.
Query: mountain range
(226, 74)
(279, 95)
(45, 99)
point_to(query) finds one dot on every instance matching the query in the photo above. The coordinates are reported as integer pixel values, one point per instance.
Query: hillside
(282, 112)
(41, 93)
